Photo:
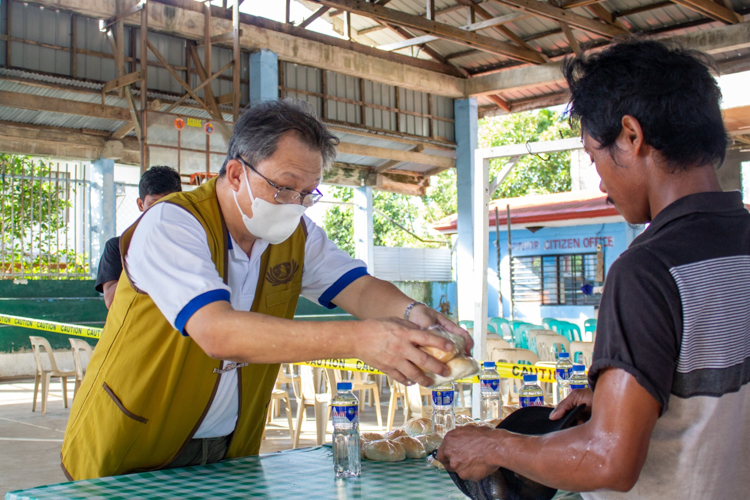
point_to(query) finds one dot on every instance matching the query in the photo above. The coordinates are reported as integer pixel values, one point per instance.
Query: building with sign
(561, 248)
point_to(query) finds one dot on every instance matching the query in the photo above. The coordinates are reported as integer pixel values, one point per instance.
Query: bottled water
(443, 417)
(531, 394)
(346, 447)
(489, 380)
(563, 371)
(579, 380)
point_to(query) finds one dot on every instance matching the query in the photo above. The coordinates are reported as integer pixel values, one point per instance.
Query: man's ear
(631, 136)
(140, 204)
(234, 173)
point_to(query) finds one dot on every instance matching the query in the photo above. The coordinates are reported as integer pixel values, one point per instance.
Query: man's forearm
(249, 337)
(370, 297)
(571, 460)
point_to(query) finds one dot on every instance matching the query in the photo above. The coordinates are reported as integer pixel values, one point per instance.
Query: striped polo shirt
(675, 314)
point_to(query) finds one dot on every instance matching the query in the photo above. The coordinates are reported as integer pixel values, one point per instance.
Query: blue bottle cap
(344, 386)
(529, 377)
(579, 368)
(489, 364)
(564, 355)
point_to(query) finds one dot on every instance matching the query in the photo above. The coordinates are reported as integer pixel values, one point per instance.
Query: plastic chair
(277, 396)
(531, 335)
(547, 346)
(547, 323)
(307, 396)
(569, 330)
(586, 351)
(589, 327)
(502, 327)
(398, 390)
(78, 345)
(522, 335)
(496, 342)
(364, 387)
(510, 387)
(44, 376)
(287, 377)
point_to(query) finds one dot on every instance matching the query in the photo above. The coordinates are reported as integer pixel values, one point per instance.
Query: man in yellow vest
(201, 319)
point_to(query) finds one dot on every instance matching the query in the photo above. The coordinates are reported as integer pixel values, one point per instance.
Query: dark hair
(257, 131)
(159, 180)
(669, 90)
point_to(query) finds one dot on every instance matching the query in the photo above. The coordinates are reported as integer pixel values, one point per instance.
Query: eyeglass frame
(316, 194)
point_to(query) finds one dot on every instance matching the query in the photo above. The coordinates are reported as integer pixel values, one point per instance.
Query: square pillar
(466, 125)
(364, 246)
(264, 76)
(103, 209)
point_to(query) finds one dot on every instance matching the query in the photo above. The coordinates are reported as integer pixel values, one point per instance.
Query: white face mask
(271, 222)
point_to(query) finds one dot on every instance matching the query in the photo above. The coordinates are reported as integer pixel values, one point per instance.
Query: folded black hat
(504, 484)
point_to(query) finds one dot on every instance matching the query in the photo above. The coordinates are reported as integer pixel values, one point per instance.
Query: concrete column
(466, 124)
(364, 246)
(730, 173)
(103, 209)
(264, 76)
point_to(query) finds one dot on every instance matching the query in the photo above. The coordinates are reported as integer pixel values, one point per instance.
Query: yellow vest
(148, 388)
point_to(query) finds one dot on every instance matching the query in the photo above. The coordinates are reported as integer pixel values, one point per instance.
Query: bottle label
(573, 387)
(525, 401)
(490, 386)
(564, 373)
(442, 398)
(344, 414)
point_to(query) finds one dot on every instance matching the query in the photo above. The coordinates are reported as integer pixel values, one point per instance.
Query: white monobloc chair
(306, 396)
(43, 376)
(77, 346)
(586, 349)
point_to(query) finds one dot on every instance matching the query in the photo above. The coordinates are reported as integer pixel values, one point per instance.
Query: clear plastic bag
(461, 365)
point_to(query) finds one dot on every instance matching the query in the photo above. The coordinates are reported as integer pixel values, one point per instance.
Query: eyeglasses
(286, 196)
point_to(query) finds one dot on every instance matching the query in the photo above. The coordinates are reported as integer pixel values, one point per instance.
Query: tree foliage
(33, 218)
(533, 174)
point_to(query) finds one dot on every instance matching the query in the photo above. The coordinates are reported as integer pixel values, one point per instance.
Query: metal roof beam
(184, 19)
(711, 9)
(557, 14)
(395, 154)
(444, 31)
(712, 41)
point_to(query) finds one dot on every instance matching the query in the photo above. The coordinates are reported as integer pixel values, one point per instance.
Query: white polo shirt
(169, 259)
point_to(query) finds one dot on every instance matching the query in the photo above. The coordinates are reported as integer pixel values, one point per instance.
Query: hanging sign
(194, 122)
(179, 123)
(208, 128)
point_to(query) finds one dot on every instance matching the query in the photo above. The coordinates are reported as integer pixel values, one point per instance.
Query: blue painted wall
(615, 238)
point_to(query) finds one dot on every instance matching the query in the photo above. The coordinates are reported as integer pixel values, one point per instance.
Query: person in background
(670, 403)
(156, 183)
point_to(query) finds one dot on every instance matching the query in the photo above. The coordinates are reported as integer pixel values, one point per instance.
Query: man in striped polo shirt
(670, 406)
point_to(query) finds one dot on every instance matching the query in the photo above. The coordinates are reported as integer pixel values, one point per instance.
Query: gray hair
(257, 131)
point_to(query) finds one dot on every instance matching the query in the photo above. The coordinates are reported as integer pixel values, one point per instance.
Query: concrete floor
(30, 442)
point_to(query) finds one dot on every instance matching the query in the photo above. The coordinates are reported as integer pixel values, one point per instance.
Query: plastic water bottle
(346, 447)
(579, 380)
(489, 380)
(443, 417)
(563, 371)
(531, 394)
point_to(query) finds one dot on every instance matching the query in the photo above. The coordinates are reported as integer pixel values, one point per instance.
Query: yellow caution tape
(51, 326)
(506, 370)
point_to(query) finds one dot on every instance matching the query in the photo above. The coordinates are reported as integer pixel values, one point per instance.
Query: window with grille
(557, 279)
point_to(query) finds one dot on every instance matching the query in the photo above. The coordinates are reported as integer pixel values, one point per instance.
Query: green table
(305, 473)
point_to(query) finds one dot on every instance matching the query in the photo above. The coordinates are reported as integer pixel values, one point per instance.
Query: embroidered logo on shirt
(283, 273)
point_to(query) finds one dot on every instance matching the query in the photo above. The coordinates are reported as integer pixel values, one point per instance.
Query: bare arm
(387, 344)
(369, 297)
(108, 289)
(607, 452)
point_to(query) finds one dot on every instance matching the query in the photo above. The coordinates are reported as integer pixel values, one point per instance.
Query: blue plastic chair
(570, 330)
(466, 324)
(503, 328)
(589, 326)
